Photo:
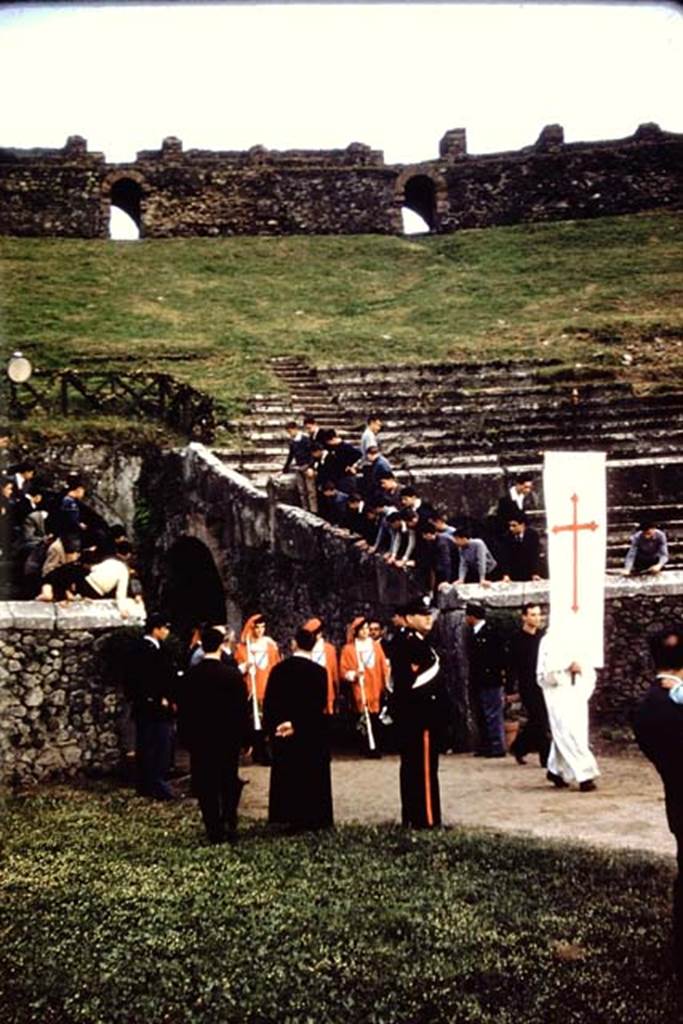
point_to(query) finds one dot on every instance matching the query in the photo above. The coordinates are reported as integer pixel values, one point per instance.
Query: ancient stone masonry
(171, 192)
(58, 716)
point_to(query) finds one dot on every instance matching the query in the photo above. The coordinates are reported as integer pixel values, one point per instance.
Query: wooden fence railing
(137, 394)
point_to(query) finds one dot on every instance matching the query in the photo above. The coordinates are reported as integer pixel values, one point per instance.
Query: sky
(393, 76)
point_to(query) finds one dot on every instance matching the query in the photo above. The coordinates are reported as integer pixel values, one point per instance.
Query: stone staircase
(443, 418)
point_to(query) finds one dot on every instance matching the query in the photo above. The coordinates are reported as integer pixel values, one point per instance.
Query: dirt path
(626, 812)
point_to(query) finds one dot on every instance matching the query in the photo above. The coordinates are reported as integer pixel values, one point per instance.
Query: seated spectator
(369, 437)
(63, 579)
(475, 561)
(520, 551)
(648, 552)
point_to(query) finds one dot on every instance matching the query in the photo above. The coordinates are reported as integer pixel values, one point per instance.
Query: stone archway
(424, 192)
(192, 591)
(126, 191)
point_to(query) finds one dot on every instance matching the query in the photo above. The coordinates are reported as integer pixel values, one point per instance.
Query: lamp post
(19, 370)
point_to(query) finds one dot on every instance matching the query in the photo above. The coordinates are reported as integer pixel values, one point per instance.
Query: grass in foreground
(113, 911)
(213, 311)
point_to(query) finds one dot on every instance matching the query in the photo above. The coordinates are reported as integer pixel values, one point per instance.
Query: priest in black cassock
(294, 718)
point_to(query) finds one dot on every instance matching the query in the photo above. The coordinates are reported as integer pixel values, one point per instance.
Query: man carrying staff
(215, 724)
(364, 665)
(417, 711)
(325, 655)
(294, 718)
(256, 655)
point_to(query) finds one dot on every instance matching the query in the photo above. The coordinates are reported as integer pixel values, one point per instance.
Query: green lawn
(112, 910)
(580, 290)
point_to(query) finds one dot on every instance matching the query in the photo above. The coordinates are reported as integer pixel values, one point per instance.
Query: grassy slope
(228, 304)
(113, 911)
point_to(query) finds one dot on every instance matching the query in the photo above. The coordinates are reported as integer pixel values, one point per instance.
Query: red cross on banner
(576, 505)
(574, 528)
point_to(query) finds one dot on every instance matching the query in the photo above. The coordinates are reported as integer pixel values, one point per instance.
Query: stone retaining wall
(59, 716)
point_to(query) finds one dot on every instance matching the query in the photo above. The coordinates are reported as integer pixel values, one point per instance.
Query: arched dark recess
(420, 196)
(192, 591)
(127, 195)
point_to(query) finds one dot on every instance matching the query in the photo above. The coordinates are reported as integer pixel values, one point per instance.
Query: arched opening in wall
(419, 199)
(126, 209)
(192, 591)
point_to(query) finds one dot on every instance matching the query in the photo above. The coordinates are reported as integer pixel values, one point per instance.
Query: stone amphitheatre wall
(62, 710)
(171, 192)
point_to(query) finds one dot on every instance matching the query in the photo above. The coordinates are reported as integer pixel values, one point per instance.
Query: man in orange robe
(325, 655)
(256, 654)
(364, 665)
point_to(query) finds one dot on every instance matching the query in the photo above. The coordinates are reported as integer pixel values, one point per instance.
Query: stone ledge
(512, 595)
(95, 615)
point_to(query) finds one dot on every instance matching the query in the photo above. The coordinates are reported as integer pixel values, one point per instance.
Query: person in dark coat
(486, 663)
(215, 726)
(522, 661)
(520, 551)
(152, 691)
(294, 718)
(416, 708)
(658, 725)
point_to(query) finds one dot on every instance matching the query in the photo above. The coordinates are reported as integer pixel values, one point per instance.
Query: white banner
(574, 486)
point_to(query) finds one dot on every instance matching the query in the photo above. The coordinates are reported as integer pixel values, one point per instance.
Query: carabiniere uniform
(417, 710)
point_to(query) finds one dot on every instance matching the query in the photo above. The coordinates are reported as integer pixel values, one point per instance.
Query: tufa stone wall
(171, 192)
(59, 716)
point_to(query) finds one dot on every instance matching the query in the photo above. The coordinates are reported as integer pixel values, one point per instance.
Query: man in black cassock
(294, 718)
(215, 726)
(522, 663)
(658, 726)
(417, 709)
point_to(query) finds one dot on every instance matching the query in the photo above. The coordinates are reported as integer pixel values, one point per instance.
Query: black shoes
(587, 787)
(556, 780)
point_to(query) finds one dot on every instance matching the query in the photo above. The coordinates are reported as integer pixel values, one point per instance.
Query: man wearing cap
(152, 690)
(486, 663)
(325, 655)
(417, 711)
(364, 665)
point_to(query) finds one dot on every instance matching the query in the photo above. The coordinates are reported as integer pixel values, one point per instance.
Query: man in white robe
(567, 687)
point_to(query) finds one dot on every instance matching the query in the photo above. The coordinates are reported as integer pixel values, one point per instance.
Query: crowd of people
(355, 489)
(55, 547)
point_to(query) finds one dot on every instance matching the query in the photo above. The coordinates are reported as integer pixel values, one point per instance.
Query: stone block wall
(171, 192)
(59, 717)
